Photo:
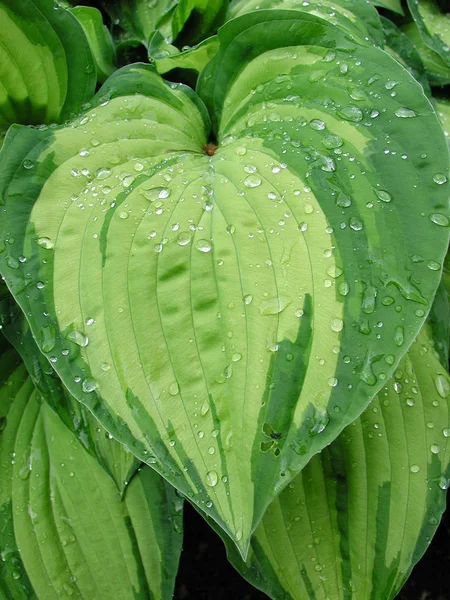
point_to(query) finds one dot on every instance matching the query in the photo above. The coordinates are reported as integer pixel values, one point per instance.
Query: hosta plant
(227, 294)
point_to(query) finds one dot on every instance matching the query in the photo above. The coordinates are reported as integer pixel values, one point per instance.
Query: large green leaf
(115, 458)
(358, 17)
(167, 57)
(64, 529)
(15, 389)
(47, 71)
(227, 316)
(430, 32)
(198, 17)
(402, 49)
(443, 110)
(138, 20)
(99, 38)
(363, 512)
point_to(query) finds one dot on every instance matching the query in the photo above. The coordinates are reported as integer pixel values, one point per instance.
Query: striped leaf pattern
(77, 537)
(361, 514)
(40, 45)
(226, 311)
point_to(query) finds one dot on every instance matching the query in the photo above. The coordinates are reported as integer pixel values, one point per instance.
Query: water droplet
(174, 389)
(443, 482)
(12, 262)
(248, 299)
(48, 337)
(77, 337)
(183, 238)
(433, 265)
(344, 288)
(236, 357)
(252, 181)
(203, 245)
(350, 113)
(46, 243)
(332, 141)
(383, 195)
(28, 164)
(337, 325)
(204, 409)
(332, 381)
(355, 224)
(103, 173)
(442, 385)
(439, 178)
(317, 124)
(414, 469)
(88, 385)
(327, 164)
(273, 306)
(440, 219)
(211, 478)
(435, 449)
(399, 336)
(342, 200)
(334, 271)
(404, 113)
(157, 193)
(240, 150)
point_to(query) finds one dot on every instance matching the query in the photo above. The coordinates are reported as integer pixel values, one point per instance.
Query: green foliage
(99, 39)
(232, 292)
(47, 70)
(430, 32)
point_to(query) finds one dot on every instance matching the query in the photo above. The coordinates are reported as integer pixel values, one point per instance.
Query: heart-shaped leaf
(40, 45)
(225, 313)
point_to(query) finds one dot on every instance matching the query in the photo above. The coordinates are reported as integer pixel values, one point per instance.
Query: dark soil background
(205, 573)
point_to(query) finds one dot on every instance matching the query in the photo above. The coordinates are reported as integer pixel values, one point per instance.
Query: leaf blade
(346, 527)
(56, 43)
(200, 297)
(75, 534)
